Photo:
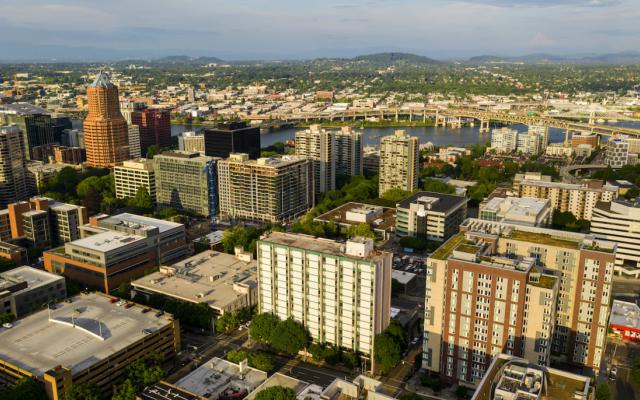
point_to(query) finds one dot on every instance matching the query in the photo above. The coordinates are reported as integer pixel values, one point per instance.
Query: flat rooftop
(444, 203)
(512, 377)
(34, 277)
(165, 391)
(625, 314)
(40, 342)
(294, 384)
(106, 241)
(384, 222)
(217, 376)
(310, 243)
(590, 186)
(208, 277)
(133, 219)
(23, 108)
(402, 276)
(518, 206)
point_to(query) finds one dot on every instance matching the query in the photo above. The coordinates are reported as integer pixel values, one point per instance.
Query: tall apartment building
(529, 143)
(618, 221)
(340, 292)
(579, 199)
(542, 132)
(133, 136)
(504, 140)
(233, 137)
(191, 141)
(399, 162)
(35, 124)
(617, 153)
(13, 166)
(268, 189)
(531, 292)
(435, 216)
(349, 156)
(105, 129)
(186, 181)
(318, 145)
(44, 222)
(132, 175)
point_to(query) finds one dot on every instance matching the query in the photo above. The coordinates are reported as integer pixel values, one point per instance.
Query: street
(620, 354)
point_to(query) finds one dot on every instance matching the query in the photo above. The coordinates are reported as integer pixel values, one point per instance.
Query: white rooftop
(625, 314)
(106, 241)
(161, 224)
(34, 277)
(523, 206)
(37, 343)
(402, 276)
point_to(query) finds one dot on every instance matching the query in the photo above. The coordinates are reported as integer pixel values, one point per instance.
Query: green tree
(152, 151)
(7, 317)
(387, 352)
(142, 201)
(262, 327)
(289, 337)
(418, 243)
(126, 391)
(603, 392)
(246, 237)
(397, 331)
(276, 393)
(25, 388)
(434, 185)
(227, 322)
(261, 361)
(362, 229)
(395, 195)
(83, 391)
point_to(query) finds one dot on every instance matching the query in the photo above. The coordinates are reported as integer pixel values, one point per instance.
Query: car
(613, 374)
(146, 310)
(160, 313)
(7, 325)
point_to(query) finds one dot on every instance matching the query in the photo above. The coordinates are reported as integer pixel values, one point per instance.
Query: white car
(7, 325)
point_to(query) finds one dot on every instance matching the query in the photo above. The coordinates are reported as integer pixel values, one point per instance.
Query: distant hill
(392, 58)
(629, 57)
(188, 60)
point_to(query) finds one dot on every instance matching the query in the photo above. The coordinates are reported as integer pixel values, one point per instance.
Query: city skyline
(74, 30)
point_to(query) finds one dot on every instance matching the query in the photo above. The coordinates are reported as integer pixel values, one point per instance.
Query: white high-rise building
(617, 155)
(504, 140)
(133, 174)
(543, 132)
(529, 143)
(318, 145)
(399, 162)
(340, 292)
(619, 221)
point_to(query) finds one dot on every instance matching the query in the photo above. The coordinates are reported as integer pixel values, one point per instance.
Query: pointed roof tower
(102, 80)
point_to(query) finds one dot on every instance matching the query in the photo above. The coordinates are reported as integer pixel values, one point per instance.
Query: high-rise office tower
(233, 137)
(105, 129)
(155, 127)
(191, 141)
(133, 134)
(319, 146)
(399, 162)
(340, 292)
(13, 167)
(35, 124)
(268, 189)
(531, 292)
(186, 181)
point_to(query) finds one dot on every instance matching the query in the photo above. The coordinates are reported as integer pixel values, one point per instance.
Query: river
(438, 136)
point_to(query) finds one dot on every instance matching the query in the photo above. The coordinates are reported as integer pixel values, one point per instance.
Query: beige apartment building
(399, 162)
(579, 199)
(274, 189)
(133, 174)
(340, 292)
(530, 292)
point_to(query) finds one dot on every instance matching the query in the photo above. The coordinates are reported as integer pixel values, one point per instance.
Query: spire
(102, 80)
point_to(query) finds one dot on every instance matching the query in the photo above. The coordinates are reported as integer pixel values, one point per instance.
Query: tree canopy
(289, 337)
(262, 326)
(276, 393)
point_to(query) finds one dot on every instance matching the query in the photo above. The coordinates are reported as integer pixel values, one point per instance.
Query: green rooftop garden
(543, 239)
(443, 252)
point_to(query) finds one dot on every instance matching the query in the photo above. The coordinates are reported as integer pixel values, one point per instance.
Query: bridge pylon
(484, 125)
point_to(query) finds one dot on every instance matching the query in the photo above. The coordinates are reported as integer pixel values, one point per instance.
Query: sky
(300, 29)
